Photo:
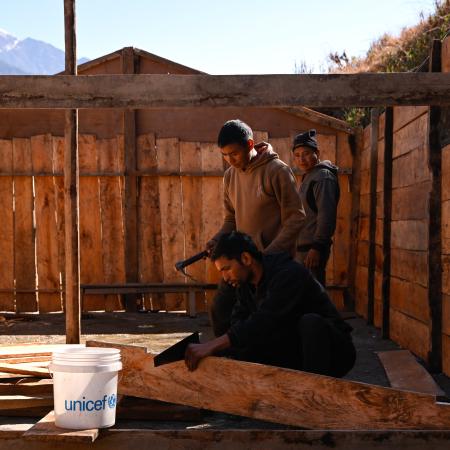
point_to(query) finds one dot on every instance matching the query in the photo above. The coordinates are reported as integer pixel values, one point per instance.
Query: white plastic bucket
(85, 386)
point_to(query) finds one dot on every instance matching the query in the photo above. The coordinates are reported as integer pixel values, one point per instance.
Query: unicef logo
(112, 401)
(91, 405)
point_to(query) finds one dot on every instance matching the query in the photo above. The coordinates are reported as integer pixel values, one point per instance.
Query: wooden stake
(357, 146)
(434, 225)
(375, 115)
(71, 199)
(387, 214)
(131, 192)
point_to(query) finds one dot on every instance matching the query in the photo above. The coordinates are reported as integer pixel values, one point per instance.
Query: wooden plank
(409, 333)
(112, 219)
(283, 147)
(33, 388)
(24, 243)
(212, 212)
(35, 411)
(377, 301)
(134, 408)
(405, 373)
(446, 172)
(436, 123)
(25, 359)
(46, 430)
(23, 401)
(71, 186)
(361, 277)
(25, 350)
(410, 265)
(327, 146)
(446, 354)
(155, 91)
(172, 224)
(374, 124)
(356, 144)
(192, 188)
(409, 235)
(410, 298)
(341, 245)
(403, 115)
(410, 137)
(411, 169)
(252, 439)
(46, 227)
(72, 301)
(149, 221)
(6, 227)
(411, 202)
(281, 395)
(58, 167)
(22, 369)
(128, 66)
(91, 256)
(323, 119)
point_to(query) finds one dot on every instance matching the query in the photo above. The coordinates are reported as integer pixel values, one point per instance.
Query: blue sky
(219, 37)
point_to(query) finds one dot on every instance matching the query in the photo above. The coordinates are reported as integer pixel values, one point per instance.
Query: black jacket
(286, 292)
(319, 193)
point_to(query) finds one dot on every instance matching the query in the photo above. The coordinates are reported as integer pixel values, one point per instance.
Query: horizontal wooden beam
(181, 91)
(11, 438)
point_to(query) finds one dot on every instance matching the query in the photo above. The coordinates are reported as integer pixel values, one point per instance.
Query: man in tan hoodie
(260, 199)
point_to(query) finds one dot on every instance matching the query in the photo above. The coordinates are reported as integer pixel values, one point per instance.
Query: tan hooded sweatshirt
(262, 201)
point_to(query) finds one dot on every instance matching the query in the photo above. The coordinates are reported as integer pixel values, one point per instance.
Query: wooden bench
(143, 288)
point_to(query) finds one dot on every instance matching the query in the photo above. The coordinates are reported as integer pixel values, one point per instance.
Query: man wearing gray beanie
(319, 193)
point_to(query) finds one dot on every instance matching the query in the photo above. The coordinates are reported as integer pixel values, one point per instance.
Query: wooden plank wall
(445, 230)
(178, 212)
(411, 183)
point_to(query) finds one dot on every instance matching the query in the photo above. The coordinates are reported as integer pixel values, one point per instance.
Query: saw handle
(180, 265)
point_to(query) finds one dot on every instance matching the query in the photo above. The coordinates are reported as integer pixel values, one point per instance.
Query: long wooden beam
(71, 185)
(278, 395)
(156, 91)
(211, 438)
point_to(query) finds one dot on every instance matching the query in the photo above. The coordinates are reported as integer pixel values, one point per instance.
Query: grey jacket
(319, 193)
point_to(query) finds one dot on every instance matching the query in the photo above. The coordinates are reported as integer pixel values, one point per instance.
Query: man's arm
(196, 352)
(292, 212)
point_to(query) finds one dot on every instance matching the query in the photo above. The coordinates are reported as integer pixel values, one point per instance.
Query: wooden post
(71, 200)
(434, 224)
(131, 190)
(387, 214)
(356, 145)
(374, 122)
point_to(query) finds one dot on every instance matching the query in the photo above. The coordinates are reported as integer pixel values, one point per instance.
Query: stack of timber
(26, 388)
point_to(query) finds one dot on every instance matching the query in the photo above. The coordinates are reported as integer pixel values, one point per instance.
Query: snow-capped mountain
(29, 56)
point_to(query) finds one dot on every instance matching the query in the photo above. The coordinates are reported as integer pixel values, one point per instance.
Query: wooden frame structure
(177, 91)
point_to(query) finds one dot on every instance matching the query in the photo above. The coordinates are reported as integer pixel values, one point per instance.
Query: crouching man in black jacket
(283, 316)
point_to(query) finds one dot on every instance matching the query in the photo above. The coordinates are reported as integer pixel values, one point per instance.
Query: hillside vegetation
(408, 52)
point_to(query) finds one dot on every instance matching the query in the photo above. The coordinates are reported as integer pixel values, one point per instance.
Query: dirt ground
(157, 331)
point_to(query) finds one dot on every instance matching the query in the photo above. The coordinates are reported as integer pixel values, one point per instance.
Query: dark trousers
(313, 345)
